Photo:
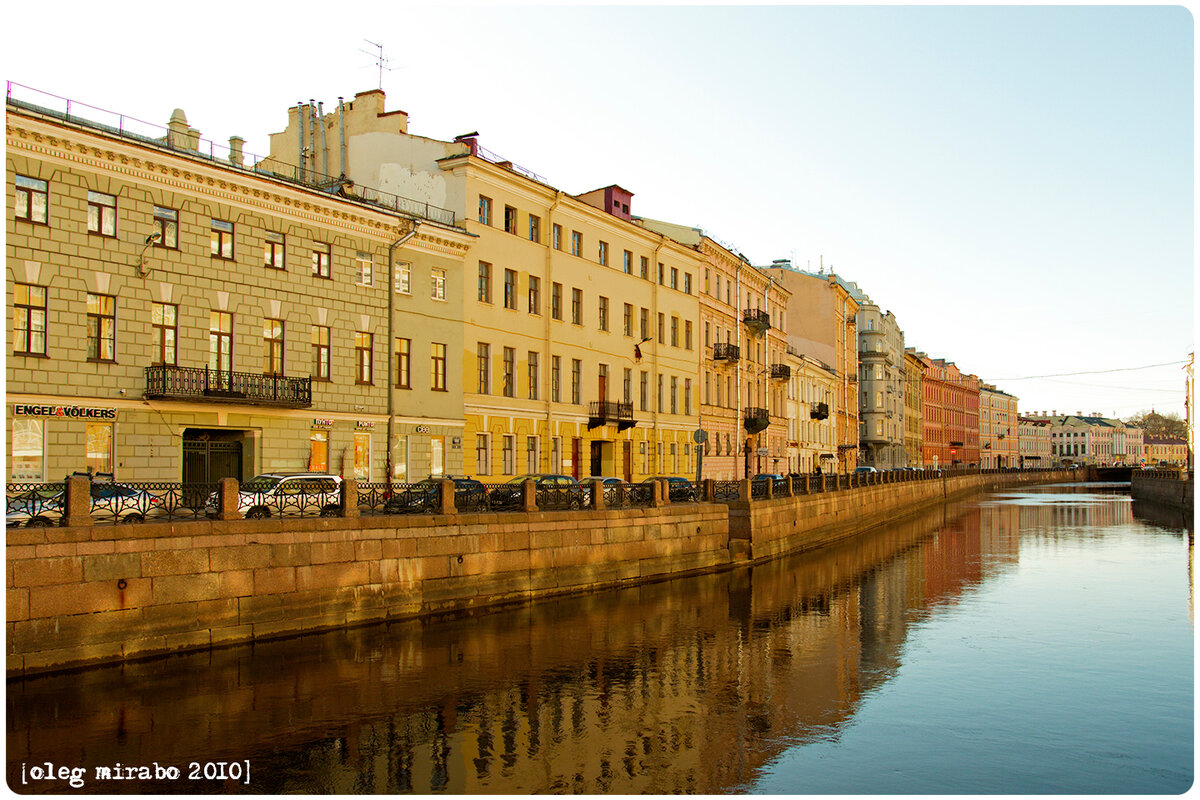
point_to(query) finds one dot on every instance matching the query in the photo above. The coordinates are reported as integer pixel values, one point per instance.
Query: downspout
(547, 296)
(658, 470)
(739, 425)
(300, 141)
(341, 139)
(391, 379)
(324, 146)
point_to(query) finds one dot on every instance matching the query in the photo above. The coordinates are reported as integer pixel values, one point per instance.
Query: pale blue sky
(942, 157)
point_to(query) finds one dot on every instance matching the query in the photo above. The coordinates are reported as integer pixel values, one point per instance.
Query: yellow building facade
(914, 421)
(999, 430)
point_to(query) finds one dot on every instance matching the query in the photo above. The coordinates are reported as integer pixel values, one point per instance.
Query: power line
(1093, 372)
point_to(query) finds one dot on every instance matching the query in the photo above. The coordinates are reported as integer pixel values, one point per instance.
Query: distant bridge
(1110, 474)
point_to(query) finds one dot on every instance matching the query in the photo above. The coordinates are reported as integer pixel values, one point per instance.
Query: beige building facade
(999, 431)
(881, 383)
(913, 410)
(1033, 438)
(178, 316)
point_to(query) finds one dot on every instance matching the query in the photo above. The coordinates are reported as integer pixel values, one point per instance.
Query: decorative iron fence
(33, 504)
(560, 497)
(725, 491)
(249, 387)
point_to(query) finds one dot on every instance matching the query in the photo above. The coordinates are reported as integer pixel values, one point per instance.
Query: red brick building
(951, 413)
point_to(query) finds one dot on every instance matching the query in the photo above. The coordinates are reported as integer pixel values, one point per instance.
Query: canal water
(1036, 641)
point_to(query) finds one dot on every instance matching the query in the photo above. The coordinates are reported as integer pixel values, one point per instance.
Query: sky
(1014, 183)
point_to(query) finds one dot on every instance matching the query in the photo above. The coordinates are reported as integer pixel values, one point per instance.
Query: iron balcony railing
(781, 371)
(606, 412)
(756, 419)
(757, 319)
(726, 351)
(230, 387)
(819, 411)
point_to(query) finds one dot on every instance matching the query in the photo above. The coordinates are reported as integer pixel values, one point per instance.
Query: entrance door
(207, 461)
(597, 464)
(576, 457)
(628, 461)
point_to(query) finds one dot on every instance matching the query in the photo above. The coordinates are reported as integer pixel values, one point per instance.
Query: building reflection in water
(683, 686)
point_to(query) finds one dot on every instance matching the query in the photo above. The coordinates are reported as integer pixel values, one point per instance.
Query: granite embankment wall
(1170, 488)
(92, 594)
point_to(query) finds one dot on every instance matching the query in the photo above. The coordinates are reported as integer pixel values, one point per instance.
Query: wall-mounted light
(141, 265)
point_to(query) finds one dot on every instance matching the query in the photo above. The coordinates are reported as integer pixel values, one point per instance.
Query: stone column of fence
(708, 490)
(656, 494)
(446, 497)
(770, 488)
(804, 485)
(227, 499)
(598, 495)
(744, 490)
(350, 498)
(77, 508)
(529, 496)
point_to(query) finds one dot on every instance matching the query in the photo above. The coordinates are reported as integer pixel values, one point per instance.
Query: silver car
(277, 494)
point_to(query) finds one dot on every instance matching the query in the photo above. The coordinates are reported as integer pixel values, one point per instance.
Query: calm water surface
(1027, 642)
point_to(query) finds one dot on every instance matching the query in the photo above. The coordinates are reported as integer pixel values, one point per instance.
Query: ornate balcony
(781, 372)
(819, 411)
(605, 412)
(726, 351)
(757, 320)
(254, 388)
(756, 419)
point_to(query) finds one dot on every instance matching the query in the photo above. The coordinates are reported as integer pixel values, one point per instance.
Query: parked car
(767, 476)
(39, 507)
(553, 491)
(679, 490)
(43, 506)
(865, 469)
(469, 495)
(283, 493)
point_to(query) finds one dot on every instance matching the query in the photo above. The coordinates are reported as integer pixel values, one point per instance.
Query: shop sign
(365, 425)
(322, 423)
(422, 429)
(77, 412)
(456, 441)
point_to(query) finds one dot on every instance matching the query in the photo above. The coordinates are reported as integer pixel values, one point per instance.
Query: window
(403, 363)
(535, 377)
(687, 282)
(364, 267)
(510, 219)
(602, 383)
(674, 395)
(101, 327)
(320, 346)
(221, 239)
(437, 280)
(645, 323)
(99, 447)
(576, 381)
(322, 257)
(662, 328)
(645, 457)
(29, 319)
(603, 313)
(102, 214)
(687, 396)
(576, 243)
(508, 387)
(531, 454)
(708, 334)
(577, 306)
(164, 333)
(628, 263)
(273, 250)
(661, 273)
(627, 388)
(535, 229)
(362, 457)
(402, 277)
(485, 282)
(33, 200)
(556, 301)
(661, 407)
(557, 235)
(687, 334)
(510, 289)
(272, 346)
(437, 359)
(483, 454)
(400, 462)
(166, 225)
(28, 450)
(483, 359)
(556, 454)
(645, 268)
(485, 210)
(220, 341)
(364, 357)
(602, 255)
(707, 280)
(510, 457)
(555, 378)
(318, 450)
(674, 278)
(437, 456)
(535, 295)
(644, 392)
(628, 320)
(674, 331)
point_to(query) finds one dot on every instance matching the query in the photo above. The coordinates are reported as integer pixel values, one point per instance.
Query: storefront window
(99, 447)
(318, 451)
(28, 447)
(437, 456)
(362, 457)
(400, 460)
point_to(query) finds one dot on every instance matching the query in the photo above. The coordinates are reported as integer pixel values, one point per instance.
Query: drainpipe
(391, 379)
(657, 334)
(546, 295)
(324, 147)
(300, 142)
(341, 138)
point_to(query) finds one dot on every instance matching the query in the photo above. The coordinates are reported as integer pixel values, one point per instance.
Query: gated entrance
(207, 460)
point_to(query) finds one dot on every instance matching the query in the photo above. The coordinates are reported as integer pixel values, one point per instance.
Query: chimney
(177, 129)
(235, 151)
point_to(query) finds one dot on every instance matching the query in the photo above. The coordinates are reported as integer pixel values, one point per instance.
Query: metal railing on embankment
(85, 500)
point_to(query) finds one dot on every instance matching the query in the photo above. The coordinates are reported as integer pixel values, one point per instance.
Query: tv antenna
(381, 60)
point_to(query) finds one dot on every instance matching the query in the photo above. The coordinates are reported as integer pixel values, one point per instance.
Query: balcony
(604, 412)
(757, 320)
(819, 411)
(725, 351)
(781, 372)
(254, 388)
(756, 419)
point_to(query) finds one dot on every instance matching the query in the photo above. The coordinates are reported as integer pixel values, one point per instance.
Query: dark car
(679, 490)
(423, 496)
(553, 491)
